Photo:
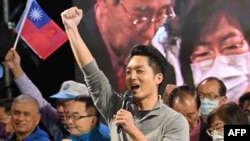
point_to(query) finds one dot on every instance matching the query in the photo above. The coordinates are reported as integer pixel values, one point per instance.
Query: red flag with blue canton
(39, 31)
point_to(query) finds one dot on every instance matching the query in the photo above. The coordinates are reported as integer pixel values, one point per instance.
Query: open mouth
(134, 87)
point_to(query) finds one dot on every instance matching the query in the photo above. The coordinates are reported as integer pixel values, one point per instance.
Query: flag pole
(26, 11)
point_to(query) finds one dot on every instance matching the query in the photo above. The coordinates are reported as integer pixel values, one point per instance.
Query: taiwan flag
(39, 31)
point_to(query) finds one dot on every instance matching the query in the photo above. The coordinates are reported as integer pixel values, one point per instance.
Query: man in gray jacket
(145, 75)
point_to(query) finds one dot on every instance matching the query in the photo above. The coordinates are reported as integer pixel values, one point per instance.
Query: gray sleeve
(178, 130)
(105, 99)
(26, 86)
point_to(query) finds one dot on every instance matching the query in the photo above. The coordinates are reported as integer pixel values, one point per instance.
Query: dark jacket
(203, 133)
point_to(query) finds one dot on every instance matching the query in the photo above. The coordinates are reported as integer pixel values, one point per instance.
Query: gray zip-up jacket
(160, 124)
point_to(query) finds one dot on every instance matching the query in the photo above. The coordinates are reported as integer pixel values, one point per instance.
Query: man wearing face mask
(212, 92)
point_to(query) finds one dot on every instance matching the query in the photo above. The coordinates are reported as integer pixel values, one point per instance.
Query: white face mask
(218, 136)
(233, 70)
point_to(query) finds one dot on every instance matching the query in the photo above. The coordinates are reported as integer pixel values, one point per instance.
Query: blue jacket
(37, 135)
(99, 133)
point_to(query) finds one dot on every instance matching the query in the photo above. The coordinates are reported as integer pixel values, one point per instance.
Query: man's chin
(74, 131)
(21, 130)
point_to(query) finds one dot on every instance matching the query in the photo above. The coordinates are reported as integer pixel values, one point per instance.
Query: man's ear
(223, 100)
(159, 78)
(94, 121)
(38, 118)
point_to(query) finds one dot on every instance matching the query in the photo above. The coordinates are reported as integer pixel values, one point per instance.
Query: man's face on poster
(131, 22)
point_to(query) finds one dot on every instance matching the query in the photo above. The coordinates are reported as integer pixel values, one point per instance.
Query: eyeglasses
(229, 49)
(142, 21)
(210, 96)
(76, 117)
(210, 131)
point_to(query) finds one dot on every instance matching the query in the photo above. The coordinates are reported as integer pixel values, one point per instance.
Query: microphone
(127, 98)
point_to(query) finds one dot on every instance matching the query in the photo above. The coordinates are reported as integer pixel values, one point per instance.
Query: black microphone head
(127, 98)
(128, 94)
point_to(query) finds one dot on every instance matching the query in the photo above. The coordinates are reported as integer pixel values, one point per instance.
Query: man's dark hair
(89, 104)
(222, 88)
(155, 60)
(230, 113)
(6, 104)
(243, 98)
(182, 92)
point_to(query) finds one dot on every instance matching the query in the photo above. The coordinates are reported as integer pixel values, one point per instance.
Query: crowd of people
(183, 94)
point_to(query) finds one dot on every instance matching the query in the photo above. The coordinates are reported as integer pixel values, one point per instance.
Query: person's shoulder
(40, 135)
(169, 110)
(103, 128)
(102, 125)
(171, 114)
(174, 123)
(104, 132)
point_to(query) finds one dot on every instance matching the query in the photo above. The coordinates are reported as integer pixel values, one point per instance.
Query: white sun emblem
(36, 14)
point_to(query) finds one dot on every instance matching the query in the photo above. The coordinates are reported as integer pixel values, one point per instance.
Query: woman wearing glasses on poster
(215, 42)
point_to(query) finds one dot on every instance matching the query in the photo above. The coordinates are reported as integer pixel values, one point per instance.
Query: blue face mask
(207, 106)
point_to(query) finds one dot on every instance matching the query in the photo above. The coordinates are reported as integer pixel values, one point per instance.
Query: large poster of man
(213, 40)
(112, 27)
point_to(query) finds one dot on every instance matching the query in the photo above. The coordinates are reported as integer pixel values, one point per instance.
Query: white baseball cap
(71, 89)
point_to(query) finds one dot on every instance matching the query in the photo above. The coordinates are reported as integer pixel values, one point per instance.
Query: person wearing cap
(52, 118)
(69, 90)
